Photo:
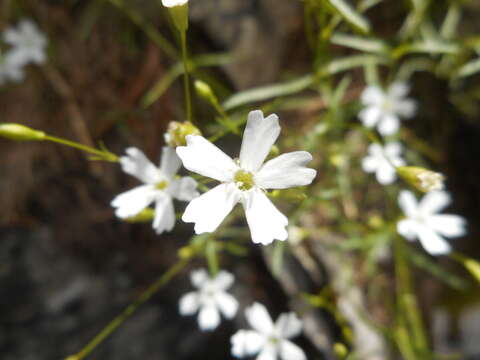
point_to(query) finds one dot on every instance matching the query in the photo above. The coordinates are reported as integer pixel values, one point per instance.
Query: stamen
(161, 185)
(244, 180)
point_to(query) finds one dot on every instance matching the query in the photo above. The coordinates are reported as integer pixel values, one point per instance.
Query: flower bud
(177, 131)
(20, 132)
(179, 11)
(422, 179)
(146, 215)
(205, 91)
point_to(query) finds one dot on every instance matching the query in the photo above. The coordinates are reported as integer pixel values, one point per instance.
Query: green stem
(408, 311)
(129, 310)
(186, 80)
(102, 154)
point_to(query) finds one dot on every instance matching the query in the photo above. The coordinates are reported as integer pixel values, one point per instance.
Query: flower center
(387, 105)
(161, 185)
(273, 340)
(243, 180)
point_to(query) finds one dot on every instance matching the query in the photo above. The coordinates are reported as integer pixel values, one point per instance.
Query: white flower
(425, 224)
(210, 299)
(9, 70)
(382, 161)
(28, 43)
(160, 187)
(268, 339)
(245, 180)
(384, 109)
(172, 3)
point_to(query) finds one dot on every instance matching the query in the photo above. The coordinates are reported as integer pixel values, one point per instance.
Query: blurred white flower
(172, 3)
(9, 70)
(245, 180)
(160, 187)
(383, 160)
(423, 221)
(269, 340)
(384, 109)
(210, 299)
(28, 43)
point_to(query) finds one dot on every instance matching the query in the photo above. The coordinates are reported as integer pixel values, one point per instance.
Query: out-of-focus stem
(102, 155)
(186, 80)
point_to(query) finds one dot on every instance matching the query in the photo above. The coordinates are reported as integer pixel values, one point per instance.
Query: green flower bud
(205, 91)
(179, 15)
(143, 216)
(20, 132)
(422, 179)
(177, 131)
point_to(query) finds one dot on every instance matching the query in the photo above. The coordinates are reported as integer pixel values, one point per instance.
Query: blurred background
(68, 266)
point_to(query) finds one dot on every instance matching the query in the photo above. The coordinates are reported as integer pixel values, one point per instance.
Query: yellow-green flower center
(161, 185)
(244, 180)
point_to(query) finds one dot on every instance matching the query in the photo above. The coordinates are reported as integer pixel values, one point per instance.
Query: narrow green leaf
(350, 15)
(468, 69)
(268, 92)
(359, 43)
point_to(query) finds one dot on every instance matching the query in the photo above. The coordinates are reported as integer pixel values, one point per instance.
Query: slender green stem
(186, 80)
(101, 154)
(129, 310)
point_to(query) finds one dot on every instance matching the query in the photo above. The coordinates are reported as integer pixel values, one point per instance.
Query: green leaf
(430, 46)
(350, 62)
(468, 69)
(268, 92)
(350, 15)
(359, 43)
(472, 265)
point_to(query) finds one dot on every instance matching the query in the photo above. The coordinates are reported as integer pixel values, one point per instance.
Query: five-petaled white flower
(245, 180)
(268, 339)
(172, 3)
(28, 43)
(9, 70)
(210, 299)
(384, 109)
(382, 161)
(160, 186)
(425, 224)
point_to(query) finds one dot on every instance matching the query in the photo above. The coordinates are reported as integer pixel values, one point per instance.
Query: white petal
(370, 164)
(408, 228)
(434, 201)
(137, 164)
(131, 202)
(288, 325)
(388, 124)
(386, 174)
(406, 108)
(259, 136)
(227, 304)
(408, 203)
(184, 189)
(432, 242)
(164, 219)
(259, 318)
(290, 351)
(223, 280)
(170, 162)
(265, 221)
(208, 318)
(199, 278)
(189, 303)
(370, 116)
(269, 352)
(246, 343)
(393, 150)
(208, 210)
(372, 95)
(285, 171)
(204, 158)
(398, 90)
(447, 225)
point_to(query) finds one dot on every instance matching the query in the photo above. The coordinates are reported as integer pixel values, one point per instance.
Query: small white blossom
(423, 221)
(383, 160)
(160, 187)
(431, 181)
(269, 340)
(383, 109)
(210, 299)
(9, 69)
(172, 3)
(245, 180)
(28, 43)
